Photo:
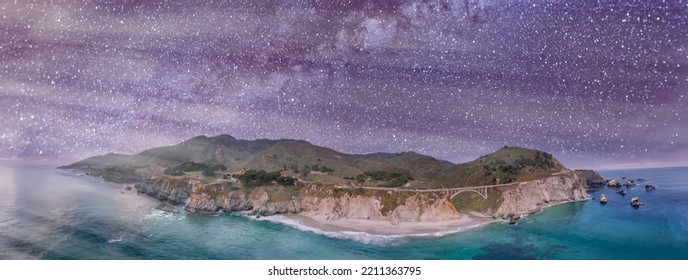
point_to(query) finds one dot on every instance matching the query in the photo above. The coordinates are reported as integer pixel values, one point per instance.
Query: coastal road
(481, 190)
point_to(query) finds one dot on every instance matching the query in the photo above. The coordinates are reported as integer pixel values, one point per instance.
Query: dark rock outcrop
(172, 190)
(650, 187)
(603, 199)
(513, 219)
(613, 184)
(592, 178)
(263, 201)
(164, 206)
(635, 202)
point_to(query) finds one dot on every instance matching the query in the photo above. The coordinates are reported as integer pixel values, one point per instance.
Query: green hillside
(210, 158)
(507, 165)
(421, 166)
(298, 156)
(220, 149)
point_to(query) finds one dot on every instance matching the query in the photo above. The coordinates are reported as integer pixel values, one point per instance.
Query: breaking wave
(358, 236)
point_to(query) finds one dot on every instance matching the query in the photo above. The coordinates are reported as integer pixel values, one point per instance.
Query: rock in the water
(630, 183)
(622, 192)
(650, 187)
(603, 199)
(614, 183)
(640, 180)
(167, 207)
(635, 202)
(513, 219)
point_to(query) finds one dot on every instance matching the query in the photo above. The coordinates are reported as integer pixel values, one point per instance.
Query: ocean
(47, 213)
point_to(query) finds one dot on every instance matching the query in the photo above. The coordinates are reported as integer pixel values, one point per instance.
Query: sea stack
(603, 199)
(649, 187)
(635, 202)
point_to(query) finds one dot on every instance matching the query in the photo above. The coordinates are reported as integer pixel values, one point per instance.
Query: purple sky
(597, 85)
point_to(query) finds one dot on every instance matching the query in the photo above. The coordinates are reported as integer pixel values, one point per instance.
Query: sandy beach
(384, 227)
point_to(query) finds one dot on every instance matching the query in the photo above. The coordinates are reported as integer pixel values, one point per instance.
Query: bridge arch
(482, 192)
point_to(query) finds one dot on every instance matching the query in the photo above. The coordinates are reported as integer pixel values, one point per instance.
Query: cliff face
(396, 207)
(274, 200)
(207, 199)
(172, 190)
(260, 201)
(414, 208)
(533, 196)
(591, 178)
(420, 208)
(348, 186)
(347, 207)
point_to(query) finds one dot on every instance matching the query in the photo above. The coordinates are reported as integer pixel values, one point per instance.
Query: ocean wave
(359, 236)
(159, 215)
(115, 240)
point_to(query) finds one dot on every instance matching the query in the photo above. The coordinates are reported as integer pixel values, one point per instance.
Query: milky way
(598, 84)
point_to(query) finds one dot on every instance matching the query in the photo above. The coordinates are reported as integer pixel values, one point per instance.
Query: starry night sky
(600, 84)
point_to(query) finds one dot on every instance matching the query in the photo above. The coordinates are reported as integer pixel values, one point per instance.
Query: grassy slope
(509, 164)
(506, 165)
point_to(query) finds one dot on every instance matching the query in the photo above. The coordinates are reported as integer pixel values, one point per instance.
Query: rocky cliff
(266, 177)
(168, 189)
(592, 178)
(532, 196)
(260, 201)
(275, 200)
(335, 203)
(393, 206)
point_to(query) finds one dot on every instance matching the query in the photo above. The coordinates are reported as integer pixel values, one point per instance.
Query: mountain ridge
(299, 158)
(266, 177)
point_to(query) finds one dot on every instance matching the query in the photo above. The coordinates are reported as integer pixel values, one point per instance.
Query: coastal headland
(380, 193)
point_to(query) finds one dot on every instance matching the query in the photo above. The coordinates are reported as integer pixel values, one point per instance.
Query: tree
(208, 173)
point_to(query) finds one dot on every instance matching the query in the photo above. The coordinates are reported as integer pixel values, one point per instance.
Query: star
(597, 85)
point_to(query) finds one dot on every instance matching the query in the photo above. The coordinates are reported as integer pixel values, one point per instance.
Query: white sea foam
(117, 240)
(363, 237)
(159, 215)
(359, 236)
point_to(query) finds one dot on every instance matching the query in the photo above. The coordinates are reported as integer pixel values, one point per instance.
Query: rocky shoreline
(268, 177)
(392, 207)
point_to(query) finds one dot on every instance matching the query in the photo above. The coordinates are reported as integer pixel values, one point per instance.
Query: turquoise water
(47, 213)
